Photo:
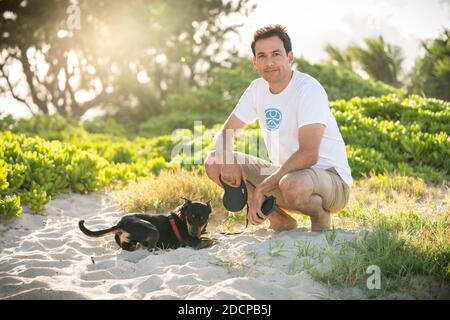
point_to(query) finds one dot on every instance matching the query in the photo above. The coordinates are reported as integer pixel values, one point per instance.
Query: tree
(431, 72)
(76, 55)
(380, 60)
(338, 57)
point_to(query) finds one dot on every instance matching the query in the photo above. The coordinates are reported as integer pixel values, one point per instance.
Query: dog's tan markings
(203, 227)
(124, 236)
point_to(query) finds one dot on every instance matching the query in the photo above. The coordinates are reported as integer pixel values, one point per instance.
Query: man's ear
(290, 57)
(255, 69)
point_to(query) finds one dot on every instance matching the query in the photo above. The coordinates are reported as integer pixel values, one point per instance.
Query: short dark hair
(270, 31)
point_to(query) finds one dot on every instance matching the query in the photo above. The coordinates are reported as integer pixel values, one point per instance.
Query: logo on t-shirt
(273, 118)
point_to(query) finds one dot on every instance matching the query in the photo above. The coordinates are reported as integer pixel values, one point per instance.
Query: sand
(45, 256)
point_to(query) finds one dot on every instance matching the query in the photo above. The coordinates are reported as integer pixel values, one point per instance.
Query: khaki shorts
(327, 183)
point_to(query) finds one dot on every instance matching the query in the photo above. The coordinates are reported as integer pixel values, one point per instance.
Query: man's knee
(210, 158)
(296, 188)
(210, 163)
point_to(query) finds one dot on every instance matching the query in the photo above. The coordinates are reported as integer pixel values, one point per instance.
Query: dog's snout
(193, 230)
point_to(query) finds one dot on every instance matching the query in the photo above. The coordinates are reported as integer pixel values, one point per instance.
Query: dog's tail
(98, 233)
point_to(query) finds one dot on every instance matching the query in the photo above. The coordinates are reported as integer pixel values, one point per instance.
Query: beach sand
(45, 256)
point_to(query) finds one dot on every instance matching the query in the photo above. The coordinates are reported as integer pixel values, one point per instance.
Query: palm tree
(431, 72)
(339, 57)
(380, 60)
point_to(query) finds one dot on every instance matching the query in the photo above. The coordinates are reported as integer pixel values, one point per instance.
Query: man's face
(271, 60)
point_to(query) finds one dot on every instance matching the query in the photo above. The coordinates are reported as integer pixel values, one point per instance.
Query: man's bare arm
(225, 138)
(309, 138)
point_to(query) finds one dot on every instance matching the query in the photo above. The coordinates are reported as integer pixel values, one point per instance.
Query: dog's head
(196, 215)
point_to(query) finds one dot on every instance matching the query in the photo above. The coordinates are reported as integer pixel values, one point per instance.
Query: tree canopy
(380, 60)
(431, 73)
(75, 55)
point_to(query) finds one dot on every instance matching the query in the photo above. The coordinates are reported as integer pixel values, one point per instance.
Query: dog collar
(175, 228)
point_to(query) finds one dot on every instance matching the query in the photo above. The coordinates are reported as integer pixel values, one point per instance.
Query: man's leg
(298, 190)
(279, 219)
(212, 168)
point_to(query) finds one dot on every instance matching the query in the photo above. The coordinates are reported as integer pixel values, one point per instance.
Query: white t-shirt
(304, 101)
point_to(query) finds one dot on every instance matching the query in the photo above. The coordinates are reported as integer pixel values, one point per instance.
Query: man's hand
(255, 216)
(232, 174)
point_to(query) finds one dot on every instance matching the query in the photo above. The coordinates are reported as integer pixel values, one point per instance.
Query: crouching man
(308, 170)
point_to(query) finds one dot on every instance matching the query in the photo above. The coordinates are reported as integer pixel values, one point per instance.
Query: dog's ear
(186, 201)
(208, 203)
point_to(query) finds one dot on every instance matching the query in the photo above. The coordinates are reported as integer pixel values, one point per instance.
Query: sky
(313, 23)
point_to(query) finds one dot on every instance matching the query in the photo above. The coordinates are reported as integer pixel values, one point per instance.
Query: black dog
(183, 227)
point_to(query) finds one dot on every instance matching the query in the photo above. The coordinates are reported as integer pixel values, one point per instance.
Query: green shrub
(10, 206)
(344, 84)
(108, 126)
(53, 127)
(33, 170)
(396, 129)
(383, 135)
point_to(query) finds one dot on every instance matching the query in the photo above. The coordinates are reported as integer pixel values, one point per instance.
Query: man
(309, 171)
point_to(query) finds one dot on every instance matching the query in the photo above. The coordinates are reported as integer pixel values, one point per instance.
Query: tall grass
(407, 235)
(406, 248)
(164, 192)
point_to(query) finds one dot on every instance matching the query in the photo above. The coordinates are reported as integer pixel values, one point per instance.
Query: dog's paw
(206, 243)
